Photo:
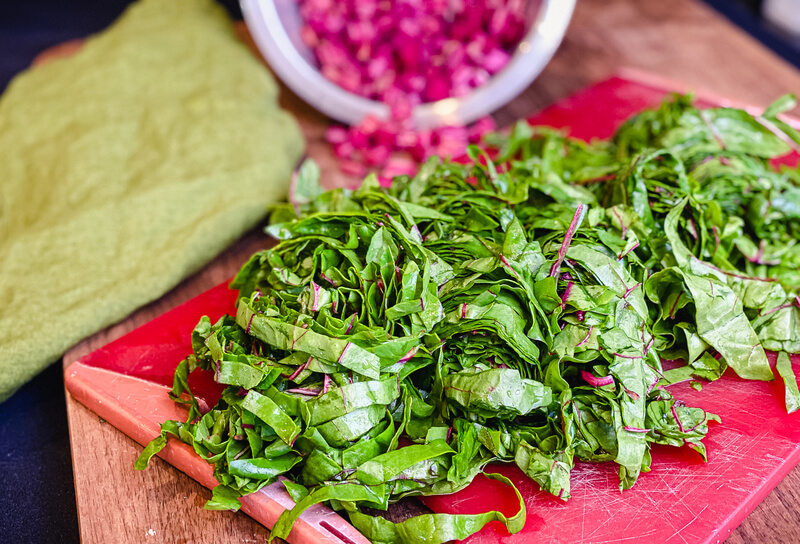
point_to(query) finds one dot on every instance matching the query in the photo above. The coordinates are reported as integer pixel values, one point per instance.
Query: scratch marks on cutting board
(675, 503)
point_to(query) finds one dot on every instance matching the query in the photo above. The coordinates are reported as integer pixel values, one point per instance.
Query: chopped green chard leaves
(514, 310)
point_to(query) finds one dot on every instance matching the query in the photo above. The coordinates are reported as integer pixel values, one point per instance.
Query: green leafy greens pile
(396, 341)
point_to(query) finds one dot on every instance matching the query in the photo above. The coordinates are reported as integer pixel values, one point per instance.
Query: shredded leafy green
(515, 309)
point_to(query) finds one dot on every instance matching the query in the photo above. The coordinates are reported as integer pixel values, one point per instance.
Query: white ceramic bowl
(275, 27)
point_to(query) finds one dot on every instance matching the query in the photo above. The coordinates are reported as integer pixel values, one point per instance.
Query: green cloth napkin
(126, 168)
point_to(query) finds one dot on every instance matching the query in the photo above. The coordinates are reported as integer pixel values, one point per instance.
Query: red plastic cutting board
(681, 500)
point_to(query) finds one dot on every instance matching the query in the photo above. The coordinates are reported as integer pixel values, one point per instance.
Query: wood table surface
(682, 40)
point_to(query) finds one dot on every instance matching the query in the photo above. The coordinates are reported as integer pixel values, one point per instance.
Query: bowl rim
(528, 60)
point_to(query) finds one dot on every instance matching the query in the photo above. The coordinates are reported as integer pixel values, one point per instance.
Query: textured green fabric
(124, 169)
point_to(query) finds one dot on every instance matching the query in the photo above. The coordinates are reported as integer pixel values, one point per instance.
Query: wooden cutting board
(756, 445)
(683, 40)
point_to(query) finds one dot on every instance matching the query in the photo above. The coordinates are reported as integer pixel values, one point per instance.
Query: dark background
(37, 497)
(746, 14)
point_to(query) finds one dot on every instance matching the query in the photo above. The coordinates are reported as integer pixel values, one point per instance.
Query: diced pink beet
(370, 124)
(430, 25)
(409, 82)
(461, 90)
(451, 143)
(358, 138)
(365, 9)
(495, 60)
(480, 77)
(452, 133)
(309, 37)
(384, 24)
(410, 55)
(423, 147)
(349, 80)
(410, 27)
(399, 166)
(335, 134)
(399, 103)
(335, 23)
(499, 21)
(410, 37)
(385, 135)
(353, 168)
(330, 54)
(455, 54)
(377, 66)
(331, 73)
(344, 150)
(376, 156)
(475, 49)
(457, 6)
(361, 31)
(384, 83)
(363, 54)
(406, 139)
(462, 75)
(482, 126)
(318, 6)
(403, 54)
(438, 88)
